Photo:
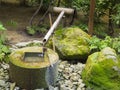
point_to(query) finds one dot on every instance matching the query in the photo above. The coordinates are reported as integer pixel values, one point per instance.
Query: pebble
(72, 76)
(2, 83)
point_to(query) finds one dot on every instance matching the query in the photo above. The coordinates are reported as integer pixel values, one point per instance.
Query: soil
(21, 15)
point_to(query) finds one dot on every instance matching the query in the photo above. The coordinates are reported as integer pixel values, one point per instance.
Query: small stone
(40, 89)
(75, 83)
(83, 88)
(22, 44)
(60, 70)
(74, 74)
(37, 41)
(72, 66)
(80, 81)
(2, 83)
(5, 66)
(79, 72)
(51, 87)
(68, 83)
(74, 77)
(17, 88)
(79, 88)
(67, 70)
(61, 66)
(82, 85)
(66, 76)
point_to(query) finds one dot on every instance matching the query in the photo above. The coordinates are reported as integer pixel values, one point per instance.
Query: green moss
(16, 57)
(71, 43)
(102, 73)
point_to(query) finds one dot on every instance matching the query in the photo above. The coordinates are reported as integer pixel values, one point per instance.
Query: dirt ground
(21, 15)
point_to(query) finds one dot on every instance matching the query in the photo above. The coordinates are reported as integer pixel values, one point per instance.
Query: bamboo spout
(51, 30)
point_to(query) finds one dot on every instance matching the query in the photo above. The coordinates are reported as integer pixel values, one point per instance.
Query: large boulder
(71, 43)
(102, 70)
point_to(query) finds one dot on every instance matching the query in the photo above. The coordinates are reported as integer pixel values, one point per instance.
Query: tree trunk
(91, 17)
(58, 4)
(110, 25)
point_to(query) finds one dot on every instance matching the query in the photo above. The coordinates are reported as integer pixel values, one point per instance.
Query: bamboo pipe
(51, 30)
(59, 9)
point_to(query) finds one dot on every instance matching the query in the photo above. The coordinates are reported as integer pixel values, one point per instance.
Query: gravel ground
(69, 77)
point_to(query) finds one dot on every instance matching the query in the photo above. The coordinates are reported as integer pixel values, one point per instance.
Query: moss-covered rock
(102, 70)
(71, 43)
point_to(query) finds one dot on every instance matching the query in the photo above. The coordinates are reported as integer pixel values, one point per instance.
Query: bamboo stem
(51, 30)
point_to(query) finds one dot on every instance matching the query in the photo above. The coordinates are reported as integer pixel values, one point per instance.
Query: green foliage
(82, 5)
(31, 30)
(36, 29)
(37, 2)
(97, 44)
(116, 17)
(107, 42)
(32, 2)
(116, 44)
(102, 8)
(1, 27)
(84, 27)
(2, 33)
(4, 50)
(94, 43)
(100, 30)
(12, 23)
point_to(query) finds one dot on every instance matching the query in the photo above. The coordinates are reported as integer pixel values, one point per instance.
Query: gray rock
(75, 77)
(2, 83)
(22, 44)
(5, 66)
(82, 85)
(79, 88)
(83, 89)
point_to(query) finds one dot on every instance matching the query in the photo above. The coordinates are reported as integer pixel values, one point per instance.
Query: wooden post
(91, 17)
(50, 17)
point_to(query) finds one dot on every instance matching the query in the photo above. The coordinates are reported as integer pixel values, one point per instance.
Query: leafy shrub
(36, 29)
(12, 23)
(4, 50)
(37, 2)
(96, 44)
(116, 44)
